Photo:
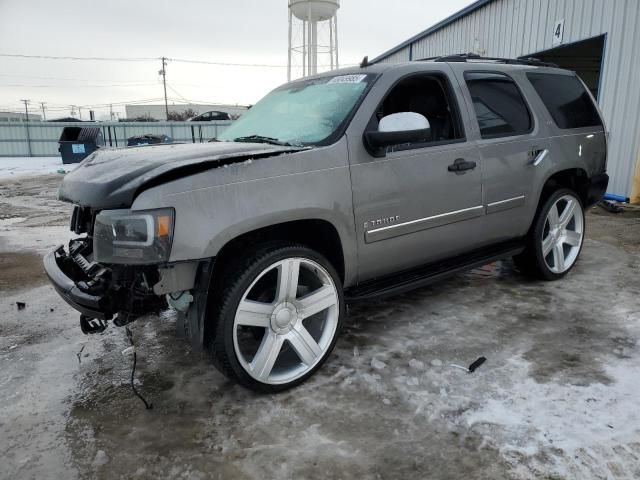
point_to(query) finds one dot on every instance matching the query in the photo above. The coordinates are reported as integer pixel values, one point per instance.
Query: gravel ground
(557, 397)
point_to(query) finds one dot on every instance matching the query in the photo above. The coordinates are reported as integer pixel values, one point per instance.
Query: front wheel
(278, 321)
(555, 240)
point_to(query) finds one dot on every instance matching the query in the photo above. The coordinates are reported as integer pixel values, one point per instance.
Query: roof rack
(465, 57)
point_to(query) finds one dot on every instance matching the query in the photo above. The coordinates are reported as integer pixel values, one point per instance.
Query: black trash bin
(148, 139)
(76, 143)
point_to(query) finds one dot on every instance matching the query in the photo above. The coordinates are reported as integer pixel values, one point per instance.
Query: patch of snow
(533, 417)
(413, 382)
(416, 364)
(377, 364)
(13, 167)
(101, 458)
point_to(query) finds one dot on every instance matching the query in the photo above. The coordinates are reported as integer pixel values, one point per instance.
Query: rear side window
(566, 99)
(499, 106)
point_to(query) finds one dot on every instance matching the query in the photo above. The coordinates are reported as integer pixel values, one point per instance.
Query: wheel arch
(317, 233)
(576, 179)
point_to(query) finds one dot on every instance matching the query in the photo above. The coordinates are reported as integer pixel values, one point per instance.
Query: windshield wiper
(262, 139)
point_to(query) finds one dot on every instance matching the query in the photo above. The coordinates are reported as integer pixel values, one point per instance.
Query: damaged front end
(118, 267)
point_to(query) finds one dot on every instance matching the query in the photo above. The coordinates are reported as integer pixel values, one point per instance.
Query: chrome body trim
(505, 204)
(413, 226)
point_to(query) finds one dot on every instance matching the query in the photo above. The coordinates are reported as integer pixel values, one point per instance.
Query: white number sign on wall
(558, 32)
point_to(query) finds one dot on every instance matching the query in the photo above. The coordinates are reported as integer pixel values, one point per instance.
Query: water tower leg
(331, 42)
(289, 52)
(304, 48)
(335, 31)
(314, 48)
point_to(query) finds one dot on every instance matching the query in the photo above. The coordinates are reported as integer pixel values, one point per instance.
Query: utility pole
(111, 112)
(26, 108)
(26, 111)
(44, 115)
(80, 113)
(163, 72)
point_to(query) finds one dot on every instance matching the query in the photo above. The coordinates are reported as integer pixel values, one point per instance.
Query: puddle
(20, 270)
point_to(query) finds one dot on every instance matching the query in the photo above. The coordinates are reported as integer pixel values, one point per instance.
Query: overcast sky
(234, 31)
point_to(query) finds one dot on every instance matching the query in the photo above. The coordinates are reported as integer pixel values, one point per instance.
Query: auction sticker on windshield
(348, 79)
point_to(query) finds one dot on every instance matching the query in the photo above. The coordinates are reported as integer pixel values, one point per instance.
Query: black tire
(531, 262)
(237, 278)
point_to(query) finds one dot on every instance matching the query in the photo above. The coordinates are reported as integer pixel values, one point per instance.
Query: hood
(111, 178)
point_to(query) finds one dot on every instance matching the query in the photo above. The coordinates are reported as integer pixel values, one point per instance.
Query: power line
(25, 85)
(99, 59)
(140, 59)
(225, 64)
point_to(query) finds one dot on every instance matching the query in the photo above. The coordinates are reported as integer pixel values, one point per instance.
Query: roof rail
(465, 57)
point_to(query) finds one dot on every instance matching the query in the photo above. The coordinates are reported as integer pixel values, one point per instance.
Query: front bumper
(90, 304)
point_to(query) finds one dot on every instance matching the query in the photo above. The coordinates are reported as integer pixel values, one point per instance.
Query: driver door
(411, 205)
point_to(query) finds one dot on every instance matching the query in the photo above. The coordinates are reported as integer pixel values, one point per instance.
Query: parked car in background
(210, 116)
(341, 187)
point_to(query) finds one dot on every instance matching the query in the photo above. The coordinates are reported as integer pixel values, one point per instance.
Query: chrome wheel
(562, 234)
(285, 321)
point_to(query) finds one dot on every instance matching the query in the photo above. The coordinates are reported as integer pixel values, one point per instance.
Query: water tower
(313, 37)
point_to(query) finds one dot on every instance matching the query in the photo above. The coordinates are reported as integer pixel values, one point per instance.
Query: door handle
(461, 165)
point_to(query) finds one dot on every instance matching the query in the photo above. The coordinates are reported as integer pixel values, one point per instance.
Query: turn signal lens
(164, 226)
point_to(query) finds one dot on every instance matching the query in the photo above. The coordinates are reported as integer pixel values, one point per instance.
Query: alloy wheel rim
(286, 321)
(562, 234)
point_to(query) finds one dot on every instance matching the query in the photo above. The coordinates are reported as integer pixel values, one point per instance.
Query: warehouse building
(599, 39)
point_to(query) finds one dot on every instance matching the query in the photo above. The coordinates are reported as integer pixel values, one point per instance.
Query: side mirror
(399, 128)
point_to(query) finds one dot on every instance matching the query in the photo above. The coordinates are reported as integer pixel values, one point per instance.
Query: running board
(430, 273)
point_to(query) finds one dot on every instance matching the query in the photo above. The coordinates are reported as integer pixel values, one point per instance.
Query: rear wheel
(555, 241)
(279, 320)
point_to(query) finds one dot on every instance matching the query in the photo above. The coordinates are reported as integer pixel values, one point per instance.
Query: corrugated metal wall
(40, 139)
(513, 28)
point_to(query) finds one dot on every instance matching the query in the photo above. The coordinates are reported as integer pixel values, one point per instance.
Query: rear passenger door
(508, 139)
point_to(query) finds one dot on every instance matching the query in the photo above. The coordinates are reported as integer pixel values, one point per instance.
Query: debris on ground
(80, 353)
(21, 305)
(610, 206)
(476, 364)
(471, 368)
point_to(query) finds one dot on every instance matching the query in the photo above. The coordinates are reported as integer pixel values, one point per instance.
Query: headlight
(131, 236)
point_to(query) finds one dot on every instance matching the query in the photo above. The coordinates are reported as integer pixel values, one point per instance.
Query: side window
(566, 100)
(430, 96)
(499, 106)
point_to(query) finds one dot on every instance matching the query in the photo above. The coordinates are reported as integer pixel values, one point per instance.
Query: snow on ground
(11, 167)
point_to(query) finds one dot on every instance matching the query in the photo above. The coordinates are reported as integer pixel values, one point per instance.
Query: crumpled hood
(111, 178)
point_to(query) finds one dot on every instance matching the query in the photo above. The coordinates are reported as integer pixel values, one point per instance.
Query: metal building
(599, 39)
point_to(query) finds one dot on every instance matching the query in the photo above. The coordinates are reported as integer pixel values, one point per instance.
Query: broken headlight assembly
(133, 236)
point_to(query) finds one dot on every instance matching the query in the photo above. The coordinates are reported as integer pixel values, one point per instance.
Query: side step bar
(430, 273)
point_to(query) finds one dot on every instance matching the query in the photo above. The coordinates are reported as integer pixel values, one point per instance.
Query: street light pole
(163, 72)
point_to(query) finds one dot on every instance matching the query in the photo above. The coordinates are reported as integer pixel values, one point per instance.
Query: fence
(40, 139)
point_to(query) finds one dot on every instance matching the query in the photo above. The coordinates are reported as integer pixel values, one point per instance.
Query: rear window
(566, 100)
(500, 109)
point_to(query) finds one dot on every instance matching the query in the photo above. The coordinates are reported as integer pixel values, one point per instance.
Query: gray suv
(337, 188)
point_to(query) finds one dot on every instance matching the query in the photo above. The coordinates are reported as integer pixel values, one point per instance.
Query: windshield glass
(307, 112)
